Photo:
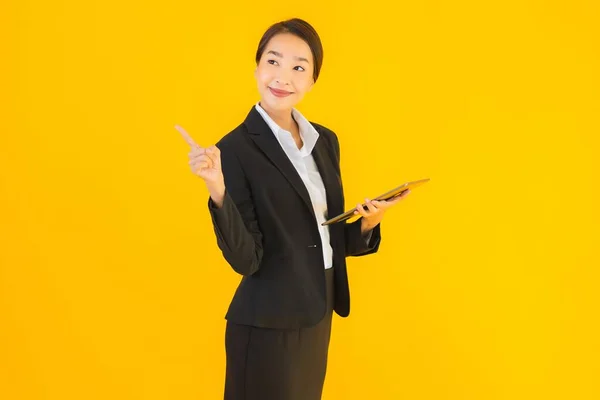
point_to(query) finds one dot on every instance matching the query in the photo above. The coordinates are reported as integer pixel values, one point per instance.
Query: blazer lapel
(262, 135)
(323, 157)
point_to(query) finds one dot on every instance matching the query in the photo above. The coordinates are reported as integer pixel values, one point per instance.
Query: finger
(371, 206)
(212, 157)
(196, 152)
(361, 210)
(198, 156)
(198, 149)
(380, 204)
(199, 167)
(202, 159)
(187, 137)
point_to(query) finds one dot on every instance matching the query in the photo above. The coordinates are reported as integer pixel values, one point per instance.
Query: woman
(272, 181)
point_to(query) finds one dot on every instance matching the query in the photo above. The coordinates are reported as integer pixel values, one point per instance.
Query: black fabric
(267, 230)
(278, 364)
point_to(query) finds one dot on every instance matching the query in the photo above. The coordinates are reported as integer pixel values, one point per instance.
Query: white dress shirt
(304, 163)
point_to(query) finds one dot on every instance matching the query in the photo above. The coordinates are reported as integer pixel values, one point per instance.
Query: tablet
(386, 196)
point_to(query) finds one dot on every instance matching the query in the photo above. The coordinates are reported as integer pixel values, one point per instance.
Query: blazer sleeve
(357, 244)
(235, 225)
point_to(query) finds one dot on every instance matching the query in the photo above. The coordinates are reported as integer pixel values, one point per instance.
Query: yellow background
(486, 282)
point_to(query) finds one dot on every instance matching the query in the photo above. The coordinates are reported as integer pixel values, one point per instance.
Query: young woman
(272, 181)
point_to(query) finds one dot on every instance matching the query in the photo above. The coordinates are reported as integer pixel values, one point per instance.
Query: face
(285, 72)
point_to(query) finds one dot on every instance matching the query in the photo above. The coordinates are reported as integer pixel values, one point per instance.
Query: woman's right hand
(206, 163)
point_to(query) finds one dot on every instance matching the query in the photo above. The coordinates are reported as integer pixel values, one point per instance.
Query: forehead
(290, 46)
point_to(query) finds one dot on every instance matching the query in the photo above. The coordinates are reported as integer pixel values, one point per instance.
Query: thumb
(216, 156)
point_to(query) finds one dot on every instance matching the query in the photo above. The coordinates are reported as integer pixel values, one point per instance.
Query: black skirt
(278, 364)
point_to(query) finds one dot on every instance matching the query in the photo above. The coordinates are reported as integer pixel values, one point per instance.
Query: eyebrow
(278, 54)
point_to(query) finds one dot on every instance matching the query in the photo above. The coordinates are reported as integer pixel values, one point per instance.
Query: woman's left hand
(377, 208)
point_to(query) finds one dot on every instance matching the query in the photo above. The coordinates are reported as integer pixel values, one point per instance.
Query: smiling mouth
(279, 93)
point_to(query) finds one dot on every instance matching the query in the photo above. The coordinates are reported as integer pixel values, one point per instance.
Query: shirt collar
(308, 133)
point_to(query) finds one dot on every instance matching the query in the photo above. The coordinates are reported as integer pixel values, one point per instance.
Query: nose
(283, 78)
(282, 81)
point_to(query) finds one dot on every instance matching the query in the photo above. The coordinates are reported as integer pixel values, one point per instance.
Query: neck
(283, 118)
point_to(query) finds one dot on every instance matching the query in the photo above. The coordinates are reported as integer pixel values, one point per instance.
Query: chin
(277, 103)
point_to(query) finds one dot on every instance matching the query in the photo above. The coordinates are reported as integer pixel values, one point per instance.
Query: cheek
(302, 85)
(263, 76)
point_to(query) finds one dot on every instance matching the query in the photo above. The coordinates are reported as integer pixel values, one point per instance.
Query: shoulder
(329, 135)
(233, 139)
(323, 130)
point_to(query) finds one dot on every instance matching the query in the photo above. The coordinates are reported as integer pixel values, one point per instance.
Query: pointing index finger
(186, 136)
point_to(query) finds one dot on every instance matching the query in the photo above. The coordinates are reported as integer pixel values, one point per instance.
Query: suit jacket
(268, 232)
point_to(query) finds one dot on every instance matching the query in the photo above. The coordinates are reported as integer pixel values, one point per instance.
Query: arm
(356, 243)
(235, 226)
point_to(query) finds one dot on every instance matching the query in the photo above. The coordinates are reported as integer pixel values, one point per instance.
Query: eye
(271, 62)
(298, 66)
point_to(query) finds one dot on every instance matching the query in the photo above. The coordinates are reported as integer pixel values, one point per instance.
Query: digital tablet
(386, 196)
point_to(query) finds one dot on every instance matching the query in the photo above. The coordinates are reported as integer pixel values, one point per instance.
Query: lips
(279, 93)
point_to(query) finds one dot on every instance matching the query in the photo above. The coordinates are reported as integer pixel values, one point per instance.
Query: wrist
(365, 227)
(217, 194)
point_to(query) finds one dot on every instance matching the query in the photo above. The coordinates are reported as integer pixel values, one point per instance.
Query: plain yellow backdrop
(486, 282)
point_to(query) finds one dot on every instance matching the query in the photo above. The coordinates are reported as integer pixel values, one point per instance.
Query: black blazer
(268, 233)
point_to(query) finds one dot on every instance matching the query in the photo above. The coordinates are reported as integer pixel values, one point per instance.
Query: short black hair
(304, 31)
